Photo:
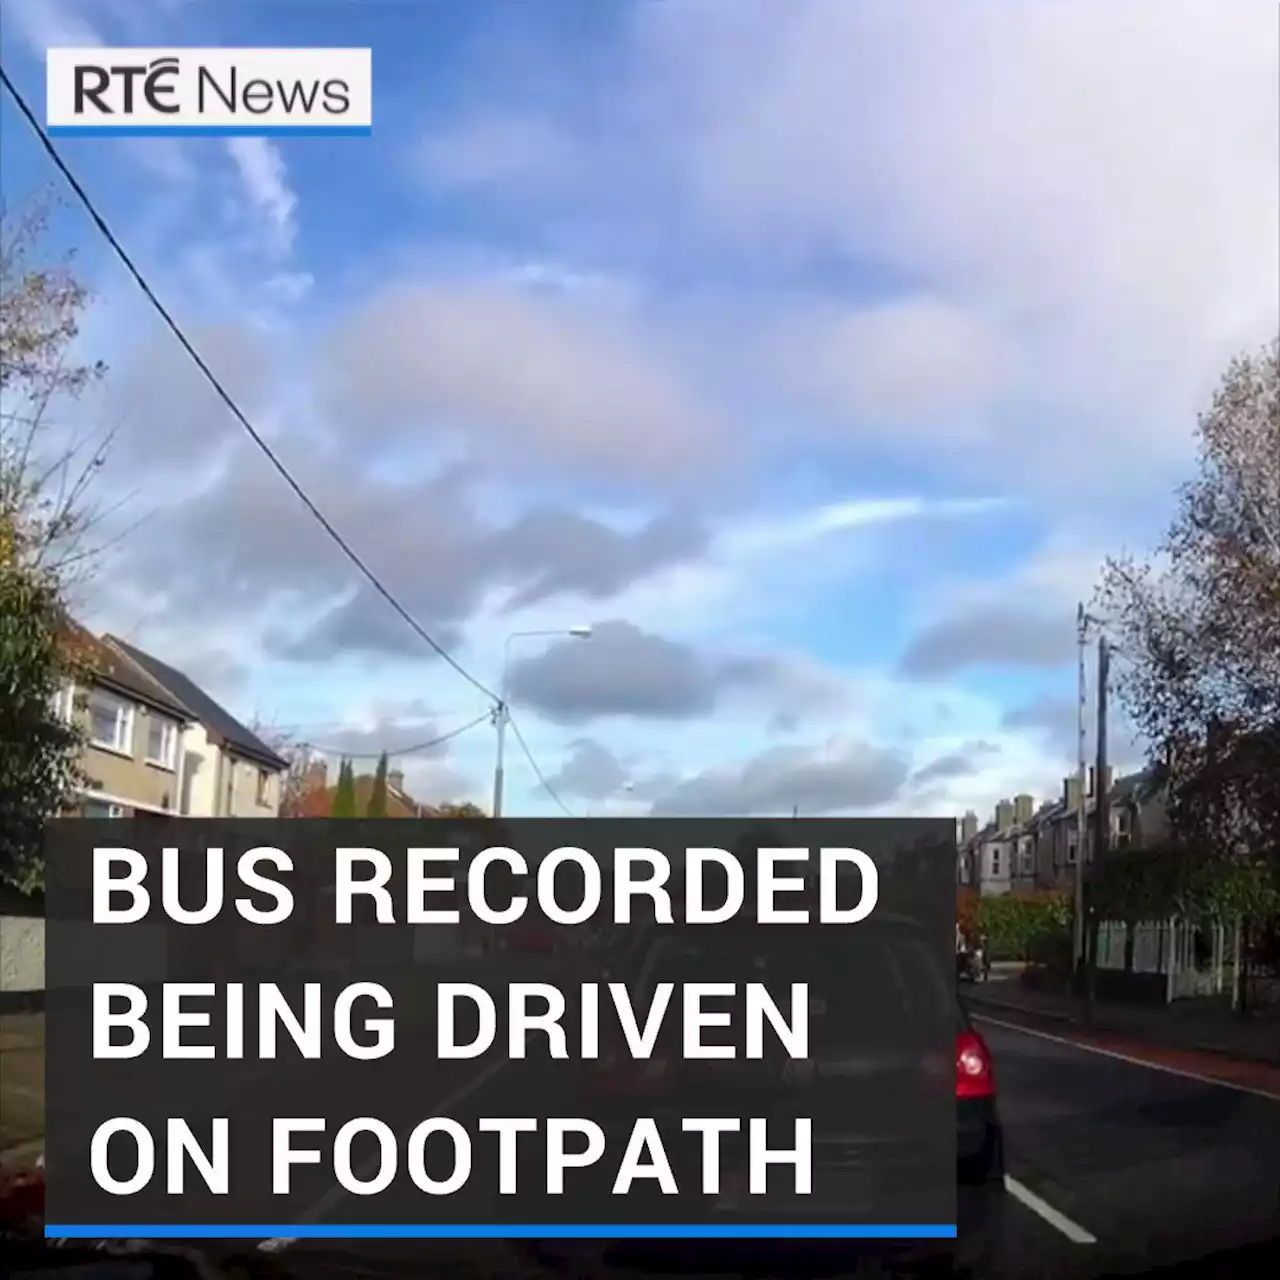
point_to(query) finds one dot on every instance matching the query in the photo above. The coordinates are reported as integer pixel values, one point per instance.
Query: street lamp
(501, 713)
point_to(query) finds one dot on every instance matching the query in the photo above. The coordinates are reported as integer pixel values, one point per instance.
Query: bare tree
(46, 465)
(1199, 624)
(301, 779)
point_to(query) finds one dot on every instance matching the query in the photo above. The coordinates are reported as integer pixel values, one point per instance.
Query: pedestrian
(984, 956)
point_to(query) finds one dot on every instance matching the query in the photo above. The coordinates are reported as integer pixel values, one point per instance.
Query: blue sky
(815, 353)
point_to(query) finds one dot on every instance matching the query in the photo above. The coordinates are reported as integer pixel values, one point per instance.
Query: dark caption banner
(525, 1071)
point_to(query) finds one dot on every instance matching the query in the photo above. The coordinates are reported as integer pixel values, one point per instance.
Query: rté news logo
(223, 91)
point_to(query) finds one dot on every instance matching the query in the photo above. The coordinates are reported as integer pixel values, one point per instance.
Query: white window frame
(263, 792)
(122, 743)
(63, 704)
(168, 759)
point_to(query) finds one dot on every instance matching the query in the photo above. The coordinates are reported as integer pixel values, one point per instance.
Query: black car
(838, 1039)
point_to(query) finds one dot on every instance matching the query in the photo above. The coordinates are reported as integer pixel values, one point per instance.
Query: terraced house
(1026, 847)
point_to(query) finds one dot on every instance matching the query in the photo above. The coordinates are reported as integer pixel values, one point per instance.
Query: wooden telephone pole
(1101, 812)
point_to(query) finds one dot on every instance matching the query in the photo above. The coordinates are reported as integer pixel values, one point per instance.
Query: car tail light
(975, 1077)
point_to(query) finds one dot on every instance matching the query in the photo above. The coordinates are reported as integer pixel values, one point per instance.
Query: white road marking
(1058, 1221)
(1128, 1057)
(335, 1193)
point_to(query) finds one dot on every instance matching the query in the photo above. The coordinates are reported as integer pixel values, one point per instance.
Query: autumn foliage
(312, 798)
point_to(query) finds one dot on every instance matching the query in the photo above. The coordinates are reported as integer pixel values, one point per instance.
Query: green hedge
(1024, 928)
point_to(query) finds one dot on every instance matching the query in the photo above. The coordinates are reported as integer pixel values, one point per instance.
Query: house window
(110, 722)
(162, 742)
(995, 862)
(63, 703)
(264, 785)
(1071, 853)
(1028, 862)
(101, 809)
(1124, 829)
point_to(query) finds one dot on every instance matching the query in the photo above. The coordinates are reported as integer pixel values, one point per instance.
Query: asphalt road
(1156, 1167)
(1115, 1167)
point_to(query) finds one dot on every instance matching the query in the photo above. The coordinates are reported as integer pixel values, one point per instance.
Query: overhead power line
(533, 764)
(140, 280)
(309, 730)
(414, 749)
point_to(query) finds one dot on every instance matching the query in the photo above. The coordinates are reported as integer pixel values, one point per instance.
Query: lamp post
(501, 712)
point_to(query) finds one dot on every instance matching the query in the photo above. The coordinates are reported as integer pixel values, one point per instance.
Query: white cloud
(1093, 184)
(610, 293)
(1024, 618)
(783, 533)
(496, 149)
(866, 764)
(265, 181)
(918, 362)
(1058, 574)
(758, 572)
(537, 371)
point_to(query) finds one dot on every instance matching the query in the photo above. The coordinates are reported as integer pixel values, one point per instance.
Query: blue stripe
(209, 130)
(502, 1231)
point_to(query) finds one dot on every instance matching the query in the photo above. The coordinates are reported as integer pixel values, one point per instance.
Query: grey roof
(116, 671)
(1134, 787)
(212, 715)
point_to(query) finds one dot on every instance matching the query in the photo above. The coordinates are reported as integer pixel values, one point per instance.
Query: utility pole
(499, 768)
(1102, 807)
(1082, 627)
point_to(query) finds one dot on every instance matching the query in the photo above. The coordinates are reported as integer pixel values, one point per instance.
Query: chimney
(1004, 815)
(1071, 793)
(968, 827)
(395, 780)
(1024, 807)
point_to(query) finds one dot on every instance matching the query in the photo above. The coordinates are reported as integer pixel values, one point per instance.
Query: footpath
(1196, 1037)
(21, 1088)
